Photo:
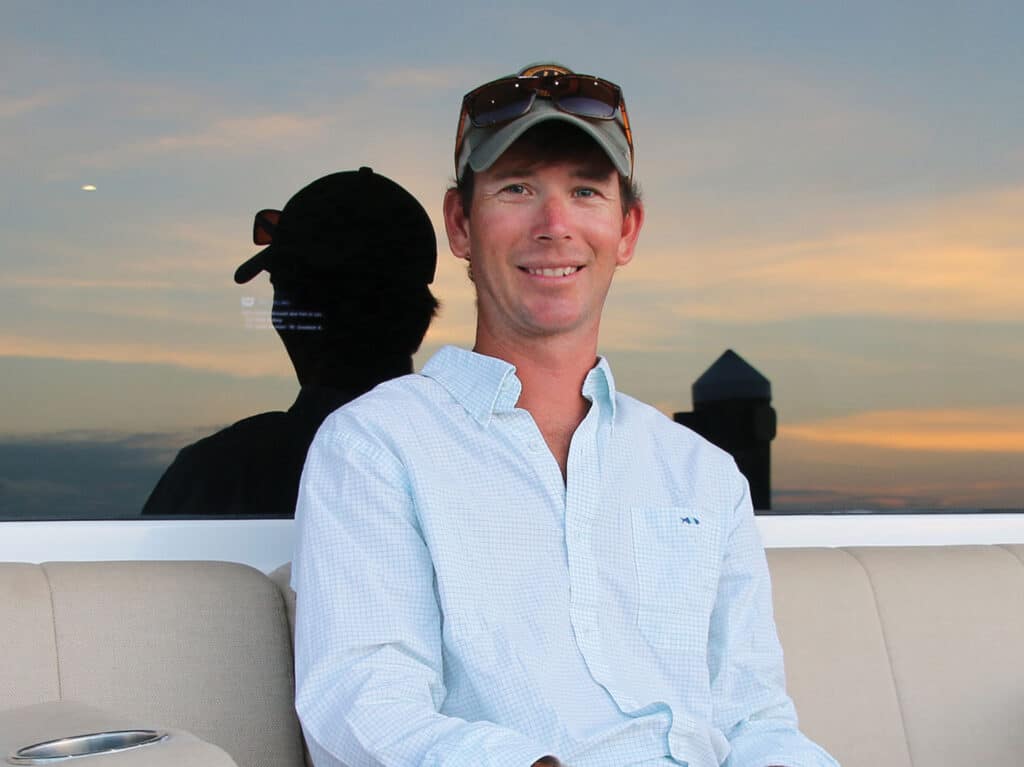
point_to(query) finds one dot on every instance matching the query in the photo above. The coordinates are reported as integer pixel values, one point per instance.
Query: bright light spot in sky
(88, 188)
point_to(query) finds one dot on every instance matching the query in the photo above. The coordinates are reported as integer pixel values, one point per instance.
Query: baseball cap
(480, 147)
(345, 224)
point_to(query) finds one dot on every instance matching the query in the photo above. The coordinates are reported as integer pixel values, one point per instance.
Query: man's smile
(556, 271)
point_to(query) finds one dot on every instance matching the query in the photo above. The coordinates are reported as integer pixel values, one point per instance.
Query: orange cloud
(58, 281)
(244, 362)
(955, 259)
(980, 430)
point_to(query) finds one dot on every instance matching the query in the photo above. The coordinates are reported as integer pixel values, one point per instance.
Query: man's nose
(553, 219)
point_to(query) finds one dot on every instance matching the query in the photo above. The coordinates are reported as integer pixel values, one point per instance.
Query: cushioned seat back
(199, 646)
(905, 656)
(954, 625)
(837, 663)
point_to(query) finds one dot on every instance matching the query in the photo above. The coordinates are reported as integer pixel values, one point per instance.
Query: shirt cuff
(483, 744)
(789, 749)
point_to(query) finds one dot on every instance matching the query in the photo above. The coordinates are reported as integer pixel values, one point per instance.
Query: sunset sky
(834, 191)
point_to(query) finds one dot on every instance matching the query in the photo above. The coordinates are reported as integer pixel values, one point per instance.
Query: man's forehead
(520, 164)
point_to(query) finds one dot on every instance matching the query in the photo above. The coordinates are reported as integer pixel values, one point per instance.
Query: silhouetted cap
(343, 225)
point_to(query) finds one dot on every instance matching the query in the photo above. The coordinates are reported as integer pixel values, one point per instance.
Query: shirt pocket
(677, 560)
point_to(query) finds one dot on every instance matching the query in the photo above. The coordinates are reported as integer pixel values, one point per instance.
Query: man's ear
(632, 222)
(456, 224)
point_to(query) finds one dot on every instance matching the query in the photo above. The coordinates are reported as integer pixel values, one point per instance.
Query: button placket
(582, 496)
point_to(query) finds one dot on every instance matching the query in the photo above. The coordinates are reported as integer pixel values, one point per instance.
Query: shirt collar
(482, 385)
(599, 386)
(487, 385)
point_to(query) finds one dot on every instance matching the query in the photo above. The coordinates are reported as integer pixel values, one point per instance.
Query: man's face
(543, 241)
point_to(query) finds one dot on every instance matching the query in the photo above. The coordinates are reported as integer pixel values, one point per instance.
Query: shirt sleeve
(368, 651)
(748, 684)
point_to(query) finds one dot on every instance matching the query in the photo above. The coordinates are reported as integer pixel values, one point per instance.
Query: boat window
(828, 282)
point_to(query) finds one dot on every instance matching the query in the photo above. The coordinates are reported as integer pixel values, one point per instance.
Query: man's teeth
(561, 271)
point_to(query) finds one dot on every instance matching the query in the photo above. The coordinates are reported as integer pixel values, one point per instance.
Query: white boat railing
(267, 543)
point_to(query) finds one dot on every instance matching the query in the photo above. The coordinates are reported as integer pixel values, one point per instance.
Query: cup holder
(61, 749)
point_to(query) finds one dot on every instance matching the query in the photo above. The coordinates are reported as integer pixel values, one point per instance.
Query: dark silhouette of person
(350, 257)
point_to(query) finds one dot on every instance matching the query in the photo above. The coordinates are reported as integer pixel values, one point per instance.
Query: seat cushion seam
(53, 623)
(888, 653)
(1010, 551)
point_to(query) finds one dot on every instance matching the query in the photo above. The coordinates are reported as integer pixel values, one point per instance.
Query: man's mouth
(557, 271)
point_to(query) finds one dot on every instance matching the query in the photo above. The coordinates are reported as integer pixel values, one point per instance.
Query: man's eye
(586, 191)
(514, 189)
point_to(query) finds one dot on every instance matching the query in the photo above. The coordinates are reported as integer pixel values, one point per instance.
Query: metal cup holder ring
(91, 744)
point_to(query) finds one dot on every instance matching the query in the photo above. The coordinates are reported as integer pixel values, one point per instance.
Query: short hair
(554, 141)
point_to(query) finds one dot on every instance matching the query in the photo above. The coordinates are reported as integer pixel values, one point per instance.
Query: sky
(834, 191)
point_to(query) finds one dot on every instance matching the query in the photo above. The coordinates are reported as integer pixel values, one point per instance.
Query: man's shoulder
(675, 438)
(442, 385)
(641, 415)
(408, 402)
(405, 391)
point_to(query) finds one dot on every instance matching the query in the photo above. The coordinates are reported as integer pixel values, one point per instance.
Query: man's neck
(552, 375)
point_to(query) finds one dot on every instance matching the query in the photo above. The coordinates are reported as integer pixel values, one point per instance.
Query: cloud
(243, 362)
(81, 283)
(236, 135)
(147, 249)
(116, 119)
(797, 195)
(959, 258)
(86, 475)
(976, 430)
(433, 78)
(902, 497)
(951, 461)
(755, 134)
(11, 107)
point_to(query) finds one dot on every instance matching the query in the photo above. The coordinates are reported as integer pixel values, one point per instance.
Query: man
(350, 257)
(503, 560)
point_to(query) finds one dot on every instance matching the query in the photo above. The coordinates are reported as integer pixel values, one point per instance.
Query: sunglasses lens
(589, 98)
(264, 225)
(500, 102)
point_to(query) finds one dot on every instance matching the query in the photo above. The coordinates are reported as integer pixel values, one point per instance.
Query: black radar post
(732, 409)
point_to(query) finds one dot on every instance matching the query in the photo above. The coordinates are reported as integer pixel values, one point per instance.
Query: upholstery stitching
(888, 654)
(53, 622)
(1011, 552)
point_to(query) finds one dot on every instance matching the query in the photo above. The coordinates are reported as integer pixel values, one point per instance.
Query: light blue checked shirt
(459, 605)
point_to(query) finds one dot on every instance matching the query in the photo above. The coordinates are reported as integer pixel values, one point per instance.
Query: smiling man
(504, 560)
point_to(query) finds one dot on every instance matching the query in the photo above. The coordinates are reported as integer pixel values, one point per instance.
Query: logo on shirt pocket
(677, 562)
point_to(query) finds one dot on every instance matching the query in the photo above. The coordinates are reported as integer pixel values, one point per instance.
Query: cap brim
(253, 266)
(485, 146)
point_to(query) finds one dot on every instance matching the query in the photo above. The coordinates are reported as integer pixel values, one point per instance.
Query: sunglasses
(264, 226)
(509, 98)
